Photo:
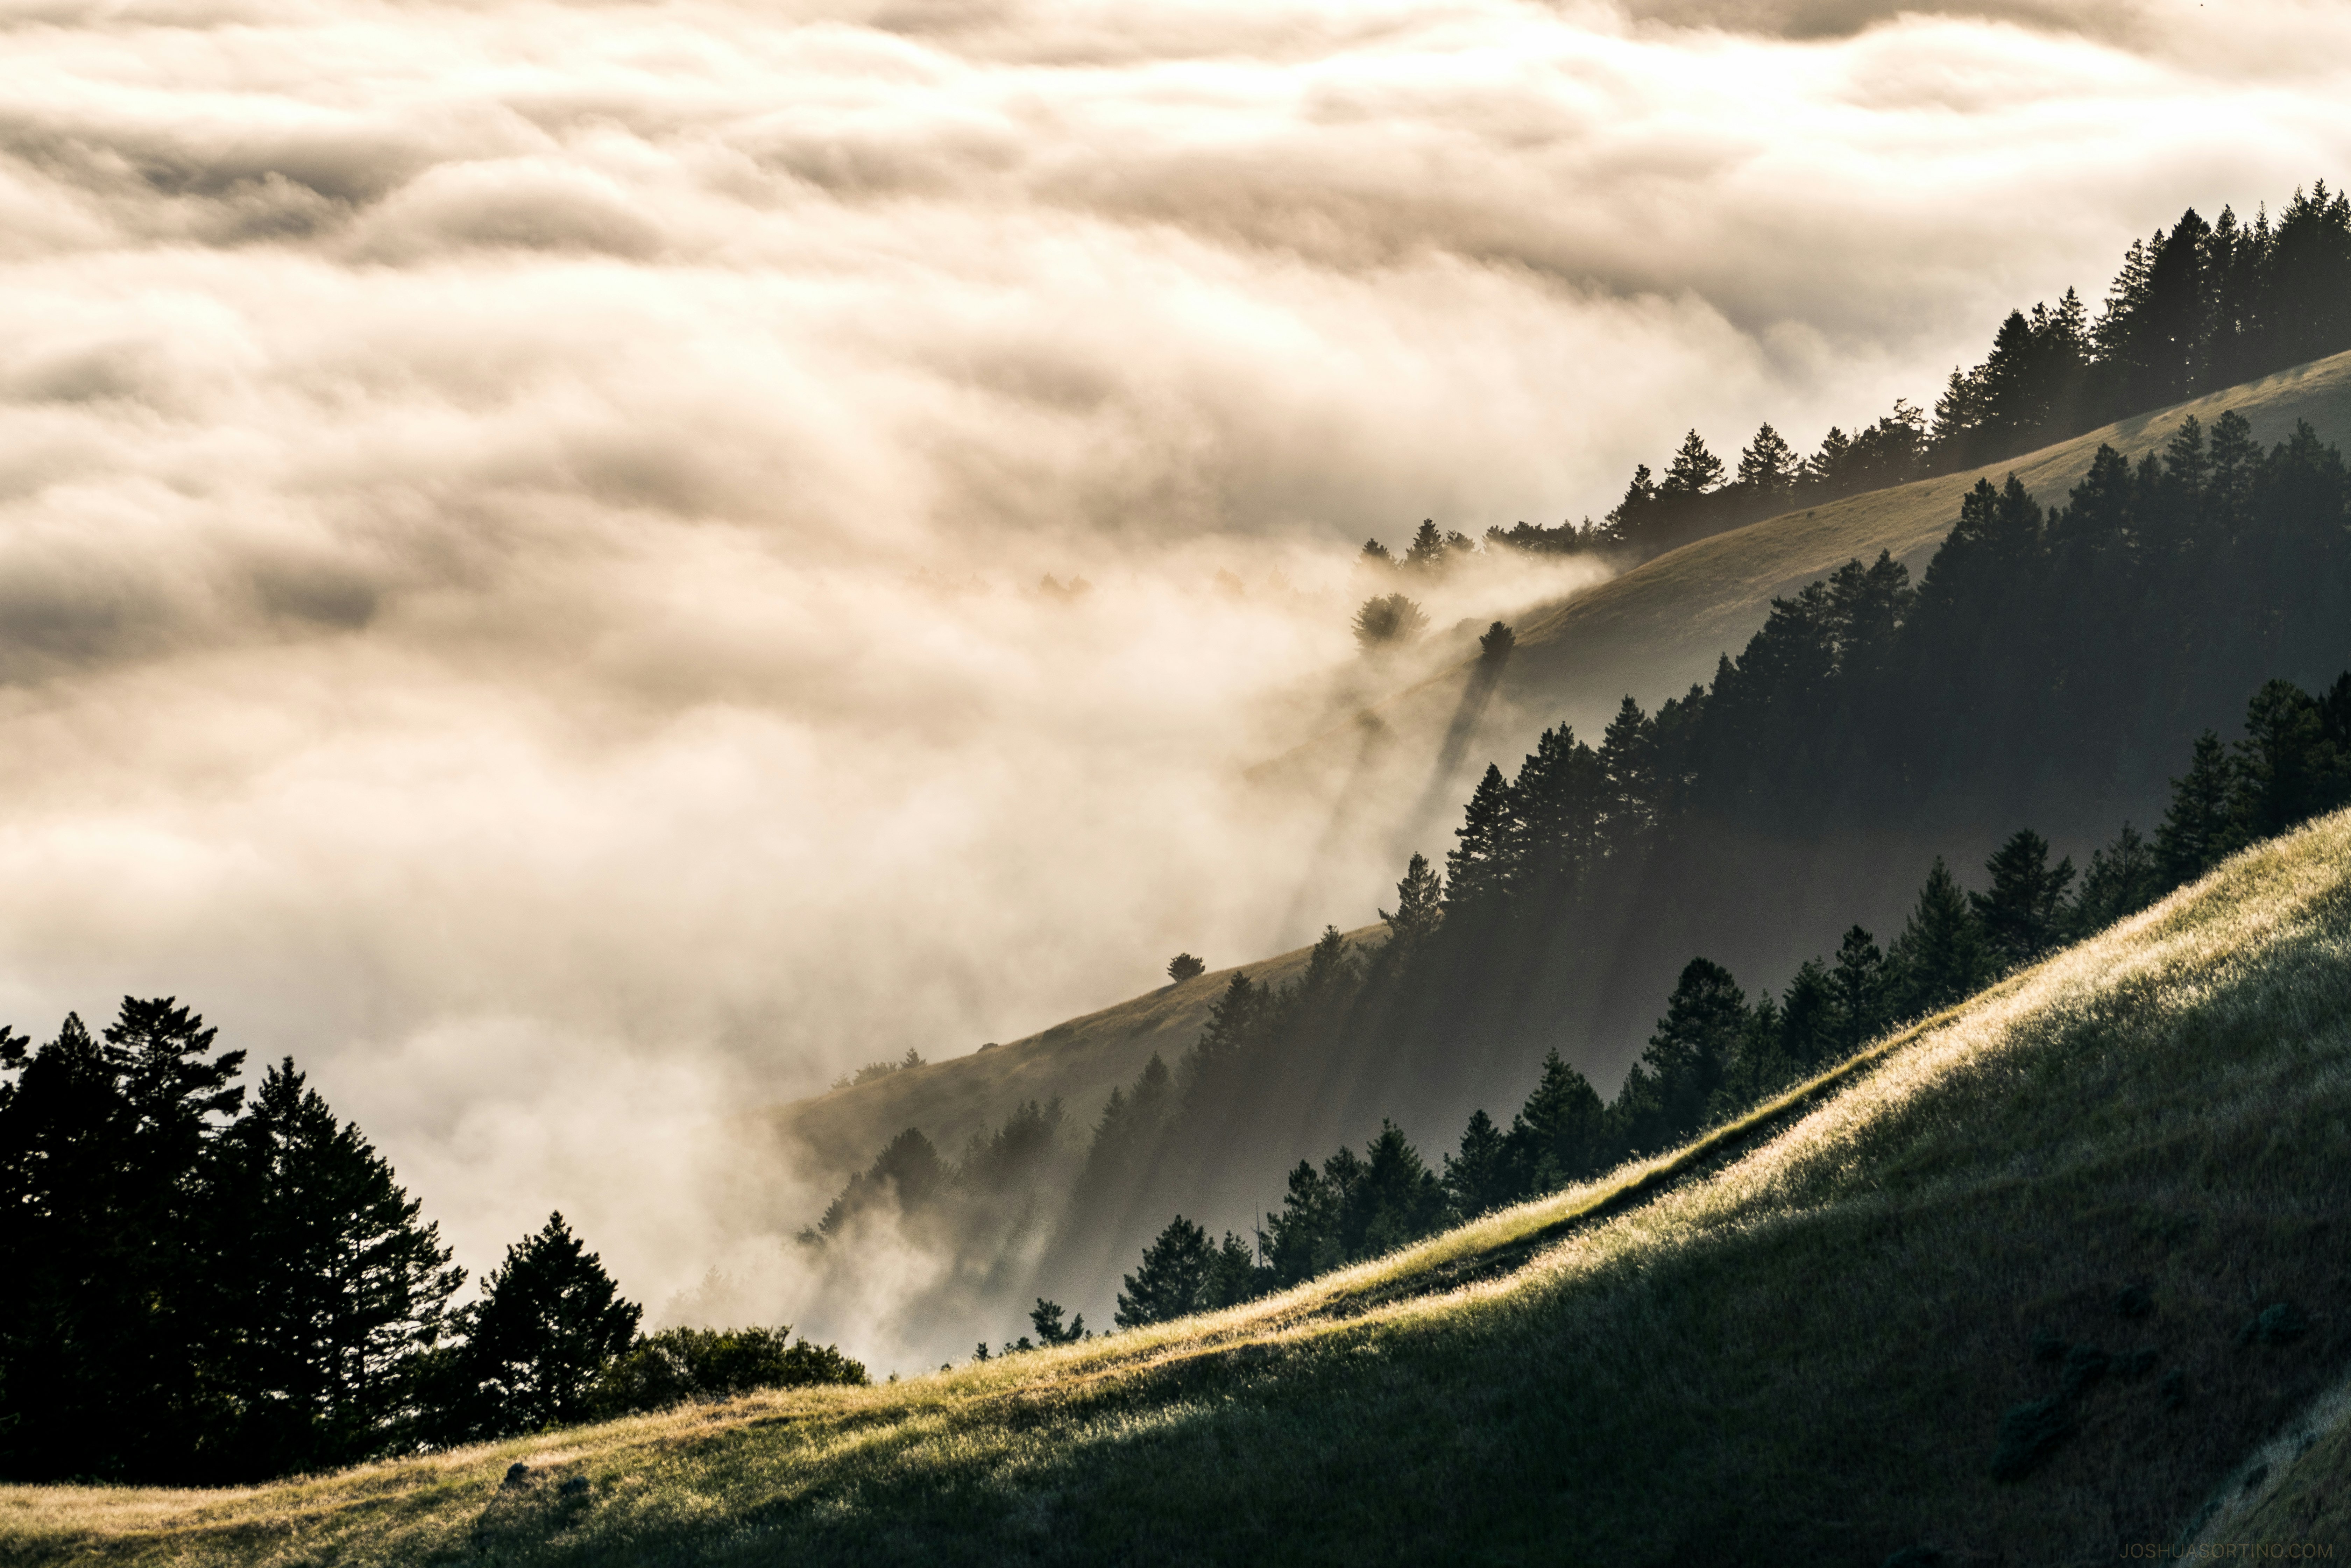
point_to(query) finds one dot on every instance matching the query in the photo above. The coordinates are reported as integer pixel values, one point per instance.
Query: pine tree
(2124, 878)
(2286, 770)
(1767, 471)
(1695, 471)
(1808, 1035)
(1479, 871)
(548, 1322)
(1046, 1318)
(1233, 1276)
(2198, 829)
(2024, 916)
(1859, 984)
(1557, 1137)
(1693, 1049)
(1167, 1284)
(109, 1305)
(1628, 766)
(1398, 1199)
(1940, 957)
(1428, 550)
(1420, 909)
(335, 1288)
(1387, 621)
(1478, 1177)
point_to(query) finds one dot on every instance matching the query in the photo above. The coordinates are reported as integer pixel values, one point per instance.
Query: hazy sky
(519, 522)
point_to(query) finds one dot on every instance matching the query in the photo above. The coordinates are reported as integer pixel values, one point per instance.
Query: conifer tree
(1478, 1177)
(1478, 870)
(1557, 1137)
(110, 1309)
(1398, 1200)
(548, 1322)
(1167, 1284)
(1940, 957)
(1687, 1058)
(1420, 909)
(2198, 829)
(335, 1288)
(1046, 1318)
(1858, 983)
(2024, 916)
(2123, 878)
(1808, 1034)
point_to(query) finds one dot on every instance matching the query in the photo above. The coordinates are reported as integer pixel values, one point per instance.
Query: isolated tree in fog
(1184, 966)
(1387, 621)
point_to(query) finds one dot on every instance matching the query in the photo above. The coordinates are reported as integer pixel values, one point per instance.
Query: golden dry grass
(1793, 1343)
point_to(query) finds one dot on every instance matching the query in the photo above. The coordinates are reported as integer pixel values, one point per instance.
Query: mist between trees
(2055, 665)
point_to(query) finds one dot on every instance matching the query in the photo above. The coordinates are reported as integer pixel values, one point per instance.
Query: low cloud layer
(520, 524)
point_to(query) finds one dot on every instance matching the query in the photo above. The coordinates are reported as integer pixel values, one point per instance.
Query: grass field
(2111, 1188)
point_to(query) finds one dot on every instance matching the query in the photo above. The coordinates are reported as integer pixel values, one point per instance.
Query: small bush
(1184, 966)
(678, 1364)
(2029, 1434)
(2134, 1302)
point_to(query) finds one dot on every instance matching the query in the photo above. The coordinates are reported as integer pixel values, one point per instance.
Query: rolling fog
(521, 525)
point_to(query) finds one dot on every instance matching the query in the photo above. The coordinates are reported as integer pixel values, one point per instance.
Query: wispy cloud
(519, 522)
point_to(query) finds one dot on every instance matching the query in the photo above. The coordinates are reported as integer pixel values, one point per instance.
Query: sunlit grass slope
(831, 1134)
(1654, 630)
(1794, 1341)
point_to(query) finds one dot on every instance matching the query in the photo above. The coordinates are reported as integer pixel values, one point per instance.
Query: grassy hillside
(831, 1134)
(2084, 1193)
(1651, 632)
(1659, 627)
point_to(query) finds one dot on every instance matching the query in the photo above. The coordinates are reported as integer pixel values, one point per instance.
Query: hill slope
(2043, 1229)
(1656, 629)
(1651, 632)
(1080, 1059)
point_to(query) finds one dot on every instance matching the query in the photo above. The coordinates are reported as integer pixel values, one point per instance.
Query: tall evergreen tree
(2024, 916)
(1477, 870)
(1687, 1058)
(2198, 829)
(1558, 1136)
(1167, 1284)
(2123, 878)
(335, 1288)
(1479, 1177)
(109, 1304)
(1941, 957)
(550, 1319)
(1859, 985)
